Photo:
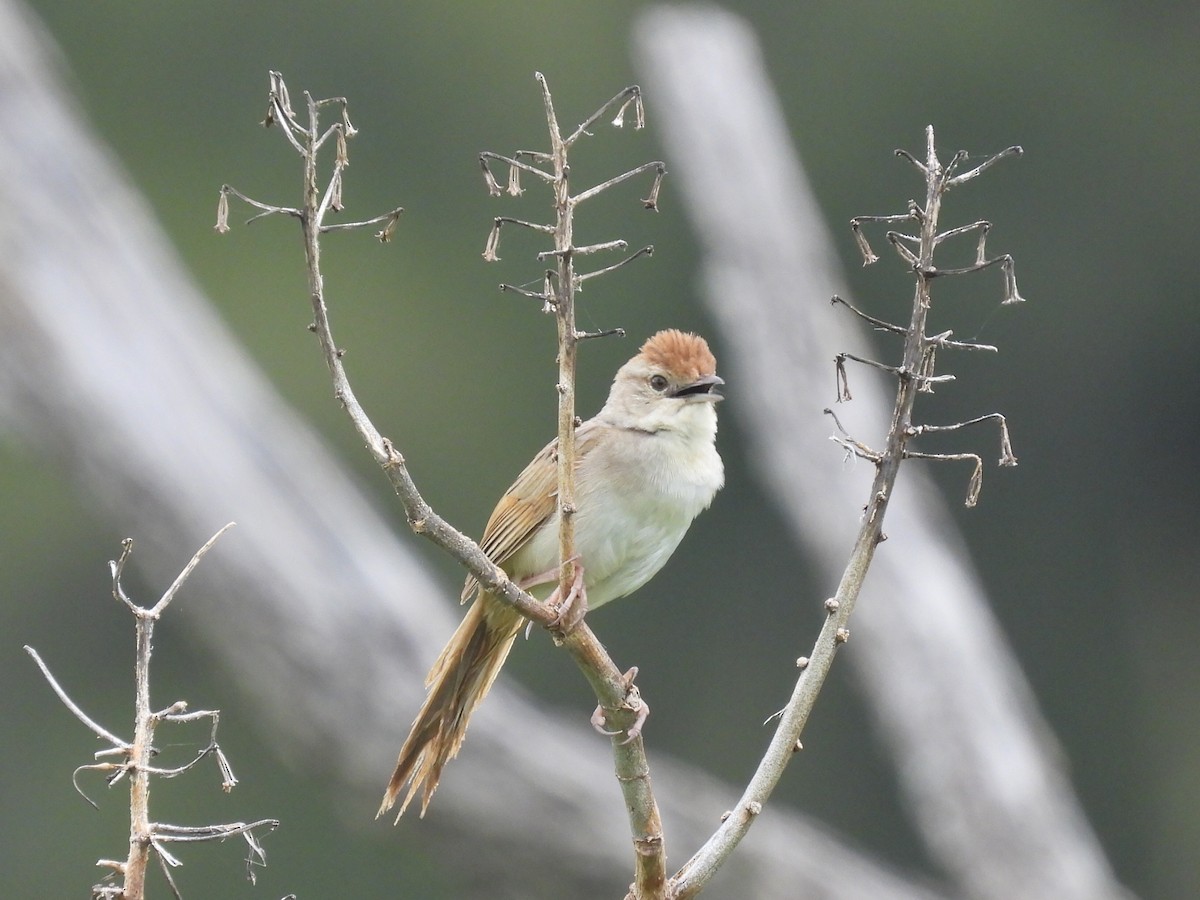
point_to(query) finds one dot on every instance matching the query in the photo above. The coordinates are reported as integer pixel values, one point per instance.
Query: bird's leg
(532, 581)
(561, 623)
(569, 612)
(633, 703)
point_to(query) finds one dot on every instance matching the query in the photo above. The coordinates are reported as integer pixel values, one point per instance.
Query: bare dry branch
(608, 683)
(134, 757)
(914, 374)
(625, 706)
(99, 730)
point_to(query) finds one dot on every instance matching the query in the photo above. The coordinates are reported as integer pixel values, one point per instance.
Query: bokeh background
(1088, 548)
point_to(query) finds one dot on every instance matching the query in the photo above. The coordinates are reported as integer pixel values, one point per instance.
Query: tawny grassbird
(647, 465)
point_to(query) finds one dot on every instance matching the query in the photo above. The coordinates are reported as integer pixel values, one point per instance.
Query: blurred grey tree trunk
(114, 369)
(979, 767)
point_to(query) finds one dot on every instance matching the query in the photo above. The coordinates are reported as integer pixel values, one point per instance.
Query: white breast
(637, 495)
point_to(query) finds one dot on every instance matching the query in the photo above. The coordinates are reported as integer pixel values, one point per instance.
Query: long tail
(457, 683)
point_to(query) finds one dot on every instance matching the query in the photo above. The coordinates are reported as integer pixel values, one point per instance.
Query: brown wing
(527, 504)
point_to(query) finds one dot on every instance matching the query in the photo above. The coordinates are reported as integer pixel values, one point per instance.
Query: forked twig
(624, 705)
(133, 758)
(614, 693)
(914, 374)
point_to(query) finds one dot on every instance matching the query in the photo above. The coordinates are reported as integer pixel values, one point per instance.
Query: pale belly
(625, 532)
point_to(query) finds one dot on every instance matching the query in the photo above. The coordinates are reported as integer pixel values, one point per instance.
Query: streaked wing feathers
(527, 504)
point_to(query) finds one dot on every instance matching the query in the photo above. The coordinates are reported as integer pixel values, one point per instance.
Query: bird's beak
(703, 388)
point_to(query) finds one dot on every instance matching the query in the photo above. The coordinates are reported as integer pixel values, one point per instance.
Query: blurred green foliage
(1088, 548)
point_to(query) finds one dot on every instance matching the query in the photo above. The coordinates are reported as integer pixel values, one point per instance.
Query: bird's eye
(658, 382)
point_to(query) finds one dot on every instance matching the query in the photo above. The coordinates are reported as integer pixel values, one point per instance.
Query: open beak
(704, 388)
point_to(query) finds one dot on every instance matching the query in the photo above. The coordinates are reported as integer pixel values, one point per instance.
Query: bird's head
(672, 384)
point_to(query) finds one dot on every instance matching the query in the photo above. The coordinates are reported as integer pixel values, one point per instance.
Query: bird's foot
(561, 625)
(633, 703)
(568, 612)
(546, 577)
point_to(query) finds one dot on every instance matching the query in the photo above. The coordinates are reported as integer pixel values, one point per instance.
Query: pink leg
(543, 577)
(638, 706)
(570, 612)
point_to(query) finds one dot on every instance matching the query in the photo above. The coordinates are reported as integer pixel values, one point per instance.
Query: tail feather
(457, 683)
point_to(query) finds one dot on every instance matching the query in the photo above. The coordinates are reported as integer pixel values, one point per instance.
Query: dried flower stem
(613, 689)
(914, 374)
(145, 836)
(632, 767)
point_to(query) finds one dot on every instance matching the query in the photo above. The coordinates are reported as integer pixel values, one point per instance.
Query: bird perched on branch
(646, 466)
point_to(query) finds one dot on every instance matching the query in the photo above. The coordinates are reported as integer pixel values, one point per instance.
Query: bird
(646, 466)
